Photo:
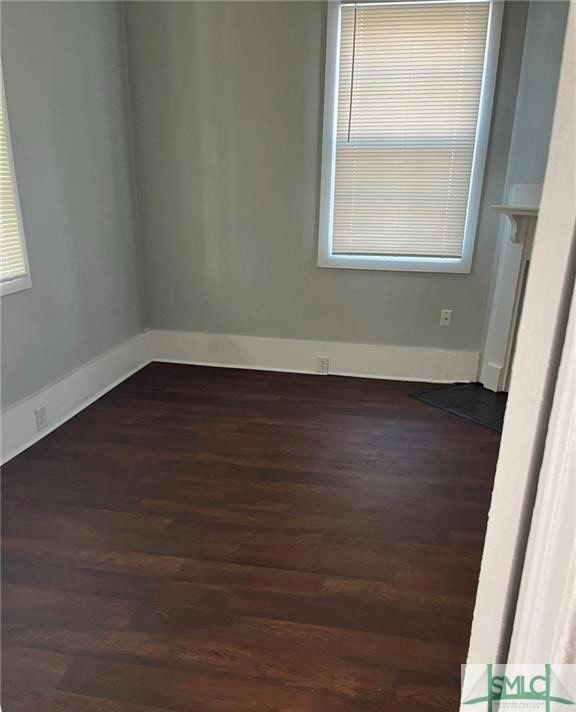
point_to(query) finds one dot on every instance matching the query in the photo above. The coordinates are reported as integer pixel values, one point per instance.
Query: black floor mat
(468, 400)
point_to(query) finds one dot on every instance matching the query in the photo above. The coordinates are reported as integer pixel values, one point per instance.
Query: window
(14, 272)
(408, 98)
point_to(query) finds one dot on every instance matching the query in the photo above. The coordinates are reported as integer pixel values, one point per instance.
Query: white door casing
(545, 623)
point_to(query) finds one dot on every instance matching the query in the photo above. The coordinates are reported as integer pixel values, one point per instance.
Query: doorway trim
(549, 575)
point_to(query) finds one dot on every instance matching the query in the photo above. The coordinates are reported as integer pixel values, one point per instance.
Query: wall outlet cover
(323, 365)
(41, 418)
(445, 317)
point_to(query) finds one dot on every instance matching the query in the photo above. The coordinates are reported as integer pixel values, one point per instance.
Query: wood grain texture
(215, 540)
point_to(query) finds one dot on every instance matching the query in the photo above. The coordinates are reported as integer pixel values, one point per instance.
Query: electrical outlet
(323, 365)
(445, 317)
(41, 418)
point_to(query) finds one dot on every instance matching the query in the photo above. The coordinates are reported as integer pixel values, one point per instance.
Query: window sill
(15, 285)
(397, 264)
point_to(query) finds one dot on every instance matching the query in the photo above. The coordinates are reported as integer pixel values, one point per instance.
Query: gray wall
(536, 97)
(539, 75)
(65, 85)
(227, 108)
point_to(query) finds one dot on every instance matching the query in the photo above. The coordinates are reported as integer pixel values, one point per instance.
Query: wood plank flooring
(216, 540)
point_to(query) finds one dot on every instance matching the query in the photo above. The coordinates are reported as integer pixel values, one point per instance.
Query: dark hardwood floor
(216, 540)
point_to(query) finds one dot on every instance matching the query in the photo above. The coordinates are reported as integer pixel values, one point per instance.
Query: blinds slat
(12, 259)
(410, 78)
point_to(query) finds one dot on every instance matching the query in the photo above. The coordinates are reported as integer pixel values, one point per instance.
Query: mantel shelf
(531, 211)
(522, 220)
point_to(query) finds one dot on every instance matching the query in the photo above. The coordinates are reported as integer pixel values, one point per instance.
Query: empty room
(288, 340)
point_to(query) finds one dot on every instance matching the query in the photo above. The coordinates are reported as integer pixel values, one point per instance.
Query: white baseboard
(402, 363)
(490, 375)
(70, 394)
(78, 389)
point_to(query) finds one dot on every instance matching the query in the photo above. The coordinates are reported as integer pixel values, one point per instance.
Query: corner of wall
(135, 189)
(69, 395)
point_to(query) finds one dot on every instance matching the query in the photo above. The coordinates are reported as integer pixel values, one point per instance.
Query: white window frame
(461, 264)
(17, 284)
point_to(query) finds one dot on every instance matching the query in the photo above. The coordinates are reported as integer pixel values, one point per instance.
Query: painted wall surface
(541, 59)
(65, 85)
(227, 107)
(527, 157)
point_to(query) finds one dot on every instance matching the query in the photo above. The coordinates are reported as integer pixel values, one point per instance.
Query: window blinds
(410, 76)
(12, 257)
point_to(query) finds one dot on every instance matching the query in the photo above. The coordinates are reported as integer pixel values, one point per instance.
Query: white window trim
(17, 284)
(404, 264)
